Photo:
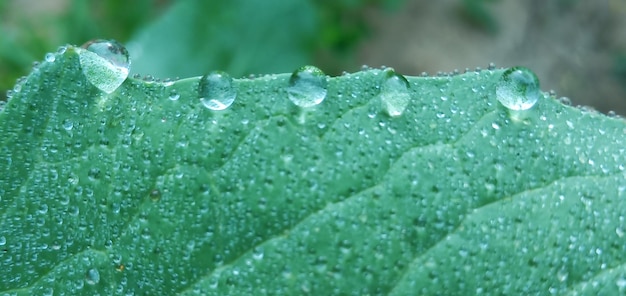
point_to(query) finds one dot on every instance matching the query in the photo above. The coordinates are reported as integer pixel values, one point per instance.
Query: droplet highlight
(394, 93)
(307, 87)
(105, 63)
(518, 89)
(216, 90)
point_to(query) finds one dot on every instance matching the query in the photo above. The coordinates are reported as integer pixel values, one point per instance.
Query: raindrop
(92, 277)
(307, 86)
(61, 49)
(565, 101)
(518, 89)
(48, 292)
(105, 64)
(257, 253)
(67, 124)
(394, 93)
(50, 57)
(213, 282)
(3, 241)
(216, 90)
(174, 96)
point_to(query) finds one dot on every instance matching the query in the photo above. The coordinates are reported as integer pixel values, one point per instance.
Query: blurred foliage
(620, 67)
(40, 29)
(341, 25)
(240, 37)
(476, 12)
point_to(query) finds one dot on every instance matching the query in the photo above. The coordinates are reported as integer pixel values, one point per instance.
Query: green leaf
(136, 193)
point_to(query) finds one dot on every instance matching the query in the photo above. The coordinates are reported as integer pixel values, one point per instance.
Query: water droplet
(105, 64)
(518, 89)
(50, 57)
(307, 86)
(92, 277)
(174, 96)
(394, 93)
(565, 101)
(48, 292)
(216, 90)
(213, 282)
(67, 124)
(61, 49)
(3, 240)
(257, 253)
(621, 283)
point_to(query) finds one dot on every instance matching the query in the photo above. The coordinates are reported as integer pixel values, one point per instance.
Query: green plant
(387, 185)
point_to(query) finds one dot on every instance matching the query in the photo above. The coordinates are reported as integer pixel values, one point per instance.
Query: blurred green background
(576, 47)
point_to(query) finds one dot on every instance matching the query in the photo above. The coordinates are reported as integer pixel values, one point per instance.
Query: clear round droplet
(67, 124)
(174, 96)
(307, 87)
(394, 93)
(50, 57)
(92, 277)
(105, 63)
(216, 91)
(257, 253)
(518, 89)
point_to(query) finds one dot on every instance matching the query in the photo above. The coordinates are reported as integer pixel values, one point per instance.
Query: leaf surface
(135, 192)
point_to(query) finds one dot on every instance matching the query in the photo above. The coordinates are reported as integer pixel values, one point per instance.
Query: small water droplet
(394, 93)
(565, 101)
(61, 49)
(105, 64)
(257, 253)
(50, 58)
(67, 124)
(518, 89)
(216, 90)
(174, 96)
(213, 282)
(3, 240)
(307, 86)
(92, 277)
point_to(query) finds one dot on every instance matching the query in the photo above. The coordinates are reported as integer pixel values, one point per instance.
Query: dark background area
(577, 48)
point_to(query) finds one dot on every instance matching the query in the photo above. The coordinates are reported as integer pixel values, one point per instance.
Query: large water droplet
(216, 90)
(105, 64)
(394, 93)
(307, 86)
(518, 89)
(92, 277)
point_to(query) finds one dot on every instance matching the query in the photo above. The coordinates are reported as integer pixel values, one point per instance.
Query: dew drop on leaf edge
(105, 64)
(307, 87)
(216, 91)
(394, 93)
(518, 89)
